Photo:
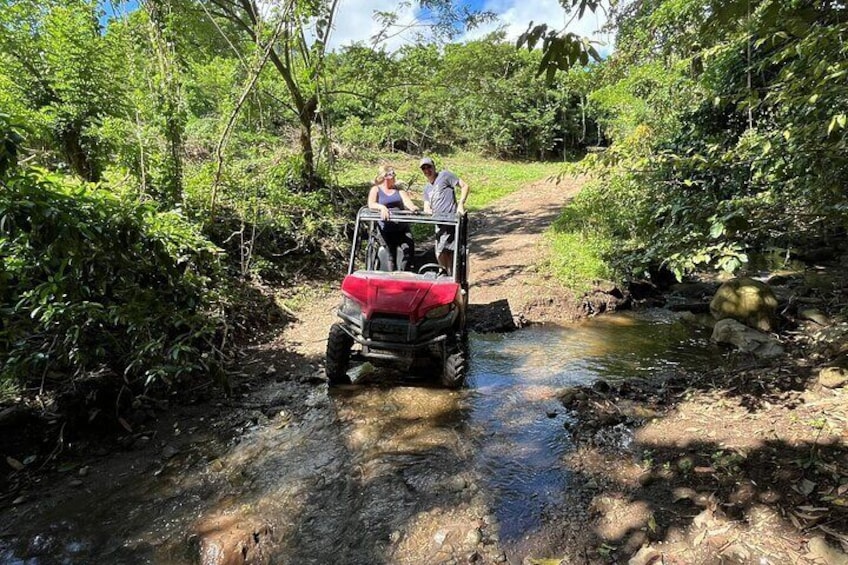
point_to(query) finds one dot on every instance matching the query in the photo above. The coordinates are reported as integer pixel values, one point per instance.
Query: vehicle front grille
(389, 328)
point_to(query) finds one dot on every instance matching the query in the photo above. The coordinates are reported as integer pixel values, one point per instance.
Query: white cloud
(514, 16)
(355, 22)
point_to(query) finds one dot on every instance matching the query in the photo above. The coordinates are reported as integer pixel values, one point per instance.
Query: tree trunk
(171, 184)
(76, 156)
(306, 115)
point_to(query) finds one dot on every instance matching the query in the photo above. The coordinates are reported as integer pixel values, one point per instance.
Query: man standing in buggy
(440, 198)
(397, 246)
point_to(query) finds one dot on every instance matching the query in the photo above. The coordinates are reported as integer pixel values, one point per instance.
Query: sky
(355, 19)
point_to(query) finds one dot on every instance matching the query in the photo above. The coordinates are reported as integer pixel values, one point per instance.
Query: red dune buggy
(398, 317)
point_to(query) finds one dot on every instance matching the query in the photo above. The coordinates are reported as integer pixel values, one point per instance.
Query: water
(349, 468)
(519, 420)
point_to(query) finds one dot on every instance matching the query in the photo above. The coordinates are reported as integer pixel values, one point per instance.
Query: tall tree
(298, 62)
(57, 69)
(169, 97)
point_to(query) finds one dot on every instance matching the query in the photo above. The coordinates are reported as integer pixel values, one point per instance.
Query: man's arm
(463, 196)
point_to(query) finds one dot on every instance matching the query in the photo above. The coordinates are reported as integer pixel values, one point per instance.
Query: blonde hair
(382, 172)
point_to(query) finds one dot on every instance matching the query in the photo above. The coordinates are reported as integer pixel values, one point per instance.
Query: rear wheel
(455, 368)
(338, 355)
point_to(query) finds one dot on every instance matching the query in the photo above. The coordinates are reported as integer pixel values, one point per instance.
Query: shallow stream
(518, 419)
(368, 474)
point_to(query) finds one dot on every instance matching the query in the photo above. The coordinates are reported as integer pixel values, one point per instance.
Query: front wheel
(455, 368)
(339, 344)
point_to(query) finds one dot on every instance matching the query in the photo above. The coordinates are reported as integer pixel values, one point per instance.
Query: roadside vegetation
(165, 172)
(726, 135)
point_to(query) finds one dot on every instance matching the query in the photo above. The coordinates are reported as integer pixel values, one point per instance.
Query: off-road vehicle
(407, 316)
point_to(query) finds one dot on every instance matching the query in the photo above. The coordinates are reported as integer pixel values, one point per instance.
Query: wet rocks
(814, 315)
(457, 484)
(604, 297)
(572, 396)
(746, 339)
(495, 317)
(474, 537)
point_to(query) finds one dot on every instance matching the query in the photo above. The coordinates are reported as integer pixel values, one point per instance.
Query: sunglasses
(390, 175)
(425, 167)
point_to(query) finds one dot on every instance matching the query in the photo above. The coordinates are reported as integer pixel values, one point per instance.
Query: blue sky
(355, 19)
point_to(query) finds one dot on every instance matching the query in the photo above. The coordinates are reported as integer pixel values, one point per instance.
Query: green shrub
(262, 217)
(89, 282)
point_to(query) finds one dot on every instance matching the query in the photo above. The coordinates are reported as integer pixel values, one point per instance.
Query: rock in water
(746, 339)
(746, 300)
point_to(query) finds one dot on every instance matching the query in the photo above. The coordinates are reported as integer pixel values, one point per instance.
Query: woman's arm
(374, 205)
(407, 201)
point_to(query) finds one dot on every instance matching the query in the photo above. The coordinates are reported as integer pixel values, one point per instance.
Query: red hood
(398, 293)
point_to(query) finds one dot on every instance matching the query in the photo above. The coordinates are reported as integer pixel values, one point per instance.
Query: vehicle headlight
(350, 307)
(439, 311)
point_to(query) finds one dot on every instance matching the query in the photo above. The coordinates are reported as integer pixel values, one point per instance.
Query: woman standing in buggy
(396, 247)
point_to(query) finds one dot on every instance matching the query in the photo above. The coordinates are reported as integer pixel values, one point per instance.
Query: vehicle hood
(398, 293)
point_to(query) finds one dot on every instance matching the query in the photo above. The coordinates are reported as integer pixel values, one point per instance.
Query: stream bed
(382, 472)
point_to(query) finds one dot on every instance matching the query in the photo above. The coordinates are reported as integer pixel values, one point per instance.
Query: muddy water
(364, 474)
(517, 420)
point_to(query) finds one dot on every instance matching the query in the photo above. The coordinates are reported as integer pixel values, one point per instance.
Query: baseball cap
(427, 161)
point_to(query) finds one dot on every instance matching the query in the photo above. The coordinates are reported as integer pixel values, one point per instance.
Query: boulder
(745, 300)
(814, 315)
(833, 377)
(746, 339)
(604, 297)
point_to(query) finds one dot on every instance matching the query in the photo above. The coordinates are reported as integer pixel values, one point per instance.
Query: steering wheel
(428, 267)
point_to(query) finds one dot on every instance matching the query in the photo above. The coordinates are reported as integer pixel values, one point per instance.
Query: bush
(90, 282)
(263, 218)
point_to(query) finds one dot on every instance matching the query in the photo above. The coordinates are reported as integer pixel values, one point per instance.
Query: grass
(488, 179)
(576, 259)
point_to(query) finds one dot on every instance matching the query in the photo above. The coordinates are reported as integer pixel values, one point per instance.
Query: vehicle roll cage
(369, 218)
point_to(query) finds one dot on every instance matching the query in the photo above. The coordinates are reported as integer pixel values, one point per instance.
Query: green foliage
(10, 140)
(560, 49)
(263, 216)
(58, 72)
(482, 96)
(89, 282)
(577, 258)
(729, 133)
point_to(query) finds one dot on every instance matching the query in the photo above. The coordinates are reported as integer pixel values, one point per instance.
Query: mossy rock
(748, 301)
